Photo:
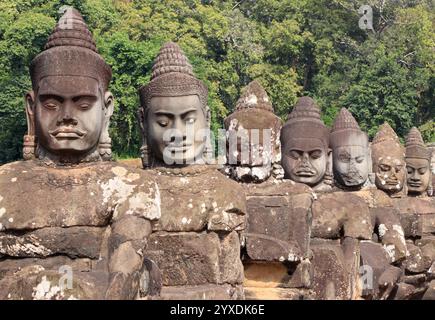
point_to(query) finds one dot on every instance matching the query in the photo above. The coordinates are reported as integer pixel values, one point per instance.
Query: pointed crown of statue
(172, 76)
(255, 107)
(70, 51)
(254, 97)
(415, 147)
(345, 127)
(386, 143)
(304, 122)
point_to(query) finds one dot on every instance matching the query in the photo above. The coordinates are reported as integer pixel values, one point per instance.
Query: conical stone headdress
(346, 131)
(304, 122)
(386, 143)
(255, 107)
(254, 96)
(172, 76)
(70, 51)
(415, 147)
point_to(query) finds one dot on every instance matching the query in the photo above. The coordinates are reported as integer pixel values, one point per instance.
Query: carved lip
(178, 147)
(67, 133)
(392, 182)
(415, 184)
(305, 173)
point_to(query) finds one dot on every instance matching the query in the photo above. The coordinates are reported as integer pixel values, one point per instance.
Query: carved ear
(29, 143)
(145, 150)
(105, 143)
(109, 104)
(207, 154)
(329, 159)
(141, 120)
(30, 114)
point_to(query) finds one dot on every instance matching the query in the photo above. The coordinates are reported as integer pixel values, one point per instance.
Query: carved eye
(359, 159)
(316, 154)
(398, 168)
(295, 154)
(163, 123)
(422, 170)
(384, 167)
(190, 120)
(409, 170)
(85, 106)
(343, 158)
(51, 106)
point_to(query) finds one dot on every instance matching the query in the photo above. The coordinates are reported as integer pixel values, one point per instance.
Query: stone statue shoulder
(34, 196)
(198, 198)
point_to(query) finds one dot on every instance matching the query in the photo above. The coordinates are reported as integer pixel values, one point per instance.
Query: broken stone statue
(72, 224)
(350, 152)
(253, 145)
(388, 158)
(277, 230)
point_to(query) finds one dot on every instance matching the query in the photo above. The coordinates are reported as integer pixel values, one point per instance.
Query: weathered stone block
(404, 291)
(412, 205)
(205, 200)
(255, 293)
(278, 275)
(375, 261)
(430, 292)
(341, 212)
(351, 252)
(428, 223)
(390, 232)
(186, 258)
(35, 283)
(331, 278)
(230, 264)
(73, 242)
(203, 292)
(416, 262)
(278, 227)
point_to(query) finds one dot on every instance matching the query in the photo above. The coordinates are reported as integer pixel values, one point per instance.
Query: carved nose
(305, 158)
(393, 175)
(67, 120)
(415, 176)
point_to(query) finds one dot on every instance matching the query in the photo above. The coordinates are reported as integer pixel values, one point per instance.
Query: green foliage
(293, 47)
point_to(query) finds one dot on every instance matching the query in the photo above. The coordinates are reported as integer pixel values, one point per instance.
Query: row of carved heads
(311, 153)
(70, 106)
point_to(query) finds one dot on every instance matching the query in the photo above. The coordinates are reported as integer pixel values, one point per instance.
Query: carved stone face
(351, 165)
(305, 160)
(351, 159)
(418, 175)
(390, 174)
(69, 113)
(176, 128)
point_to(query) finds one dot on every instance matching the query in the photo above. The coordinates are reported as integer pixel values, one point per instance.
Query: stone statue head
(69, 108)
(174, 116)
(305, 144)
(350, 151)
(417, 157)
(253, 136)
(388, 159)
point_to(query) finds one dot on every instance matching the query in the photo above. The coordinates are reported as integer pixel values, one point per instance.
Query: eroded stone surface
(278, 227)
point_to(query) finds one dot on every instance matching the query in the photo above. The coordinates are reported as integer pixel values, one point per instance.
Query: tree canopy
(292, 47)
